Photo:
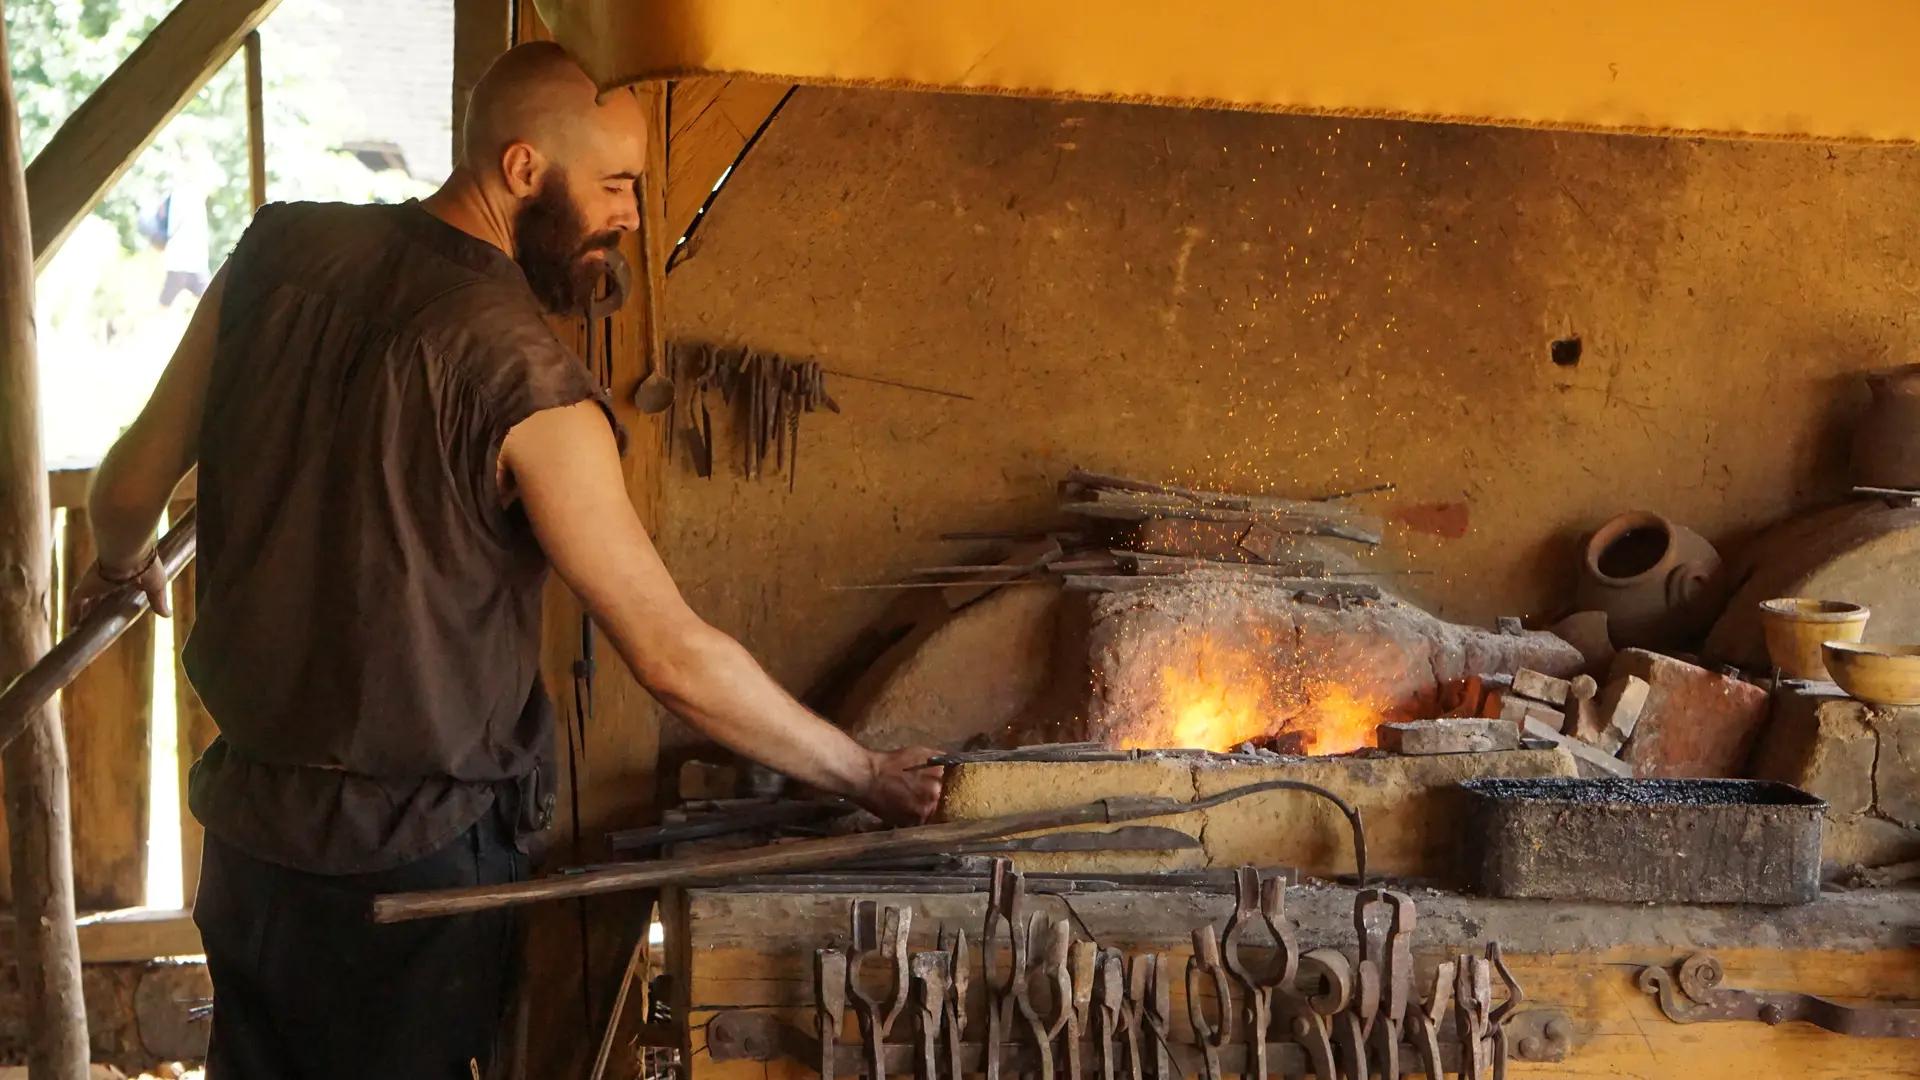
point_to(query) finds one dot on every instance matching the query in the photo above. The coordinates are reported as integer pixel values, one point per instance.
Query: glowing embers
(1201, 684)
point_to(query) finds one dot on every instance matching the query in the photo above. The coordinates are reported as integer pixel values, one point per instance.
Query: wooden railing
(108, 711)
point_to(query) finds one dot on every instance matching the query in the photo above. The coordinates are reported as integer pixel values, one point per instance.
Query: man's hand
(904, 789)
(97, 584)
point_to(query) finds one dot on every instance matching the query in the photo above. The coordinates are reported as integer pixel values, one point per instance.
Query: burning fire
(1215, 696)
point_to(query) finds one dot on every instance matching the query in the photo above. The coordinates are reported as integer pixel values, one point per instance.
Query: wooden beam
(194, 729)
(127, 937)
(713, 118)
(108, 709)
(123, 937)
(75, 170)
(256, 123)
(67, 488)
(482, 30)
(35, 764)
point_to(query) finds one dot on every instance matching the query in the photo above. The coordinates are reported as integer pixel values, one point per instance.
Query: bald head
(556, 160)
(535, 94)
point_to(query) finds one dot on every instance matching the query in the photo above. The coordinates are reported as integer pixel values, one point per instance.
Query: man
(184, 251)
(392, 447)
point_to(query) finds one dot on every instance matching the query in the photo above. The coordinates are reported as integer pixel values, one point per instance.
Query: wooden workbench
(752, 950)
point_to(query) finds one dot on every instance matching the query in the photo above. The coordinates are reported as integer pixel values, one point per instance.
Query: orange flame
(1215, 696)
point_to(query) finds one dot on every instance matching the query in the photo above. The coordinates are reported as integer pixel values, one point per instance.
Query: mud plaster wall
(1282, 304)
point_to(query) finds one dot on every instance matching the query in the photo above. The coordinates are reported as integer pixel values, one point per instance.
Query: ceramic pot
(1797, 627)
(1657, 581)
(1876, 674)
(1886, 442)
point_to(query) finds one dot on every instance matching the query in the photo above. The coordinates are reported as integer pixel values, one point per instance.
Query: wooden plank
(617, 761)
(34, 765)
(139, 935)
(84, 159)
(194, 729)
(753, 952)
(127, 936)
(482, 30)
(68, 487)
(109, 721)
(713, 117)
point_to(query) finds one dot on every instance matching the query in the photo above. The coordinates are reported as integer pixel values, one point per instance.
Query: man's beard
(552, 245)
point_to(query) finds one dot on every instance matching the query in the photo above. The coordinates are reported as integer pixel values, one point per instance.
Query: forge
(1215, 665)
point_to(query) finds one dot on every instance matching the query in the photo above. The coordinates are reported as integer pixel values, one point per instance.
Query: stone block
(1823, 742)
(990, 789)
(975, 672)
(1511, 706)
(1460, 735)
(1697, 723)
(1896, 774)
(1541, 687)
(1866, 841)
(1414, 812)
(1590, 761)
(1616, 713)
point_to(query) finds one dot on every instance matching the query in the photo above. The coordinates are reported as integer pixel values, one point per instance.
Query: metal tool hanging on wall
(1063, 1008)
(768, 392)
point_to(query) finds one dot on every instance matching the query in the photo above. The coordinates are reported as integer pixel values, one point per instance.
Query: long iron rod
(825, 852)
(22, 699)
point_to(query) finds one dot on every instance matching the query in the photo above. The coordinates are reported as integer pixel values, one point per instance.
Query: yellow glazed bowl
(1797, 626)
(1880, 674)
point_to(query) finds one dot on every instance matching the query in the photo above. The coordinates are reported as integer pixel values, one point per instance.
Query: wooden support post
(194, 730)
(35, 765)
(108, 711)
(256, 123)
(99, 141)
(482, 30)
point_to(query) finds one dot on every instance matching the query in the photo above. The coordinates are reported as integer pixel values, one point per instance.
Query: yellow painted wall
(1288, 304)
(1766, 67)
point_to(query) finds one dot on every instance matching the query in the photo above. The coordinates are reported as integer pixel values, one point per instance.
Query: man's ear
(522, 168)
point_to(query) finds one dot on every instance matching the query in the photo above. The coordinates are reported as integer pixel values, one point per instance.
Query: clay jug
(1657, 581)
(1886, 442)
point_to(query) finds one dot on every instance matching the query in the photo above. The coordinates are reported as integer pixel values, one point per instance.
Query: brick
(1696, 723)
(1512, 707)
(1617, 712)
(1541, 687)
(1821, 741)
(1476, 735)
(1590, 760)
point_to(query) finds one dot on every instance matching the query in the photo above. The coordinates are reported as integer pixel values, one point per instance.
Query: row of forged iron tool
(1057, 1008)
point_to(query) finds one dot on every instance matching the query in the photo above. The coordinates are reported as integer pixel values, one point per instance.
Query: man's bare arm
(566, 471)
(134, 482)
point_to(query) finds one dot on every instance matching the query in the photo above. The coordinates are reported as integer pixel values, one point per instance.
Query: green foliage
(61, 50)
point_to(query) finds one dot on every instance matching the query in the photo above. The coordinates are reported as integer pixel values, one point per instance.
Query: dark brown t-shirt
(368, 614)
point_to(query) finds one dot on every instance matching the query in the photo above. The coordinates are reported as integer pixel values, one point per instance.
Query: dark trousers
(306, 985)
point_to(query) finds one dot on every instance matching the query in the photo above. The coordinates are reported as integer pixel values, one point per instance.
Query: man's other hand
(95, 586)
(904, 789)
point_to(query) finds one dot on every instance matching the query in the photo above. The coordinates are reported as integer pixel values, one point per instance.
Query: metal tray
(1662, 841)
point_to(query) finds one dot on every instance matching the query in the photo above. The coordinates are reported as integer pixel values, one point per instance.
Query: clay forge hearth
(1214, 665)
(1413, 807)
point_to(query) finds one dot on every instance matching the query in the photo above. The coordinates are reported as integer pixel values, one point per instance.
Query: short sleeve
(505, 366)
